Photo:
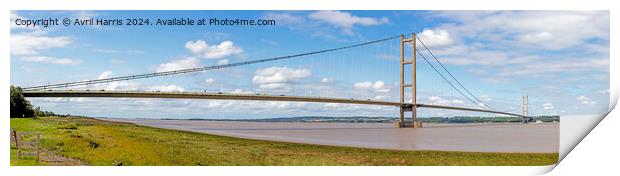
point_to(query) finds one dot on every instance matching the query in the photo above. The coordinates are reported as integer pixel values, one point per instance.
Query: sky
(559, 59)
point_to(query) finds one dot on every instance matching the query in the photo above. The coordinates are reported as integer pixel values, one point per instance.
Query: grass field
(25, 161)
(98, 142)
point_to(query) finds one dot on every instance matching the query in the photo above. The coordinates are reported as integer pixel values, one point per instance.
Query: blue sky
(560, 59)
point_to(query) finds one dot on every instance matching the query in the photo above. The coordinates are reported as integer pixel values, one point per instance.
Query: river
(521, 138)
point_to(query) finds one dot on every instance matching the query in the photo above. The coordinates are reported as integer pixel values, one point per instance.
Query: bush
(20, 107)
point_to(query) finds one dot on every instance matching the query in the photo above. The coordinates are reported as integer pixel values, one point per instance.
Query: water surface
(536, 138)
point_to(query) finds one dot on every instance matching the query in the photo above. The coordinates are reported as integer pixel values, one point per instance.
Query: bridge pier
(408, 124)
(414, 123)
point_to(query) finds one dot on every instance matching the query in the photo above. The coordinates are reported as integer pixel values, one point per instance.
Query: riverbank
(99, 142)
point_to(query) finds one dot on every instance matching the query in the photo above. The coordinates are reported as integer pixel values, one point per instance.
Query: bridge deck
(228, 96)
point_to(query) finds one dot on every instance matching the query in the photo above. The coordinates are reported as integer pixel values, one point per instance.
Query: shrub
(20, 107)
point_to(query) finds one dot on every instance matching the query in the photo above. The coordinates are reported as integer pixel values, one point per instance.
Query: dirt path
(51, 159)
(48, 158)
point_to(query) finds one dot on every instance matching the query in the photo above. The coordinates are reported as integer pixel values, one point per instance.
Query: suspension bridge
(410, 49)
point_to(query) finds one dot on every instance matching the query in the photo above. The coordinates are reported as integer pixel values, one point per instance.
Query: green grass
(98, 142)
(24, 161)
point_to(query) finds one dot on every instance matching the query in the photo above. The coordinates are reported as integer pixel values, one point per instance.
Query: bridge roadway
(229, 96)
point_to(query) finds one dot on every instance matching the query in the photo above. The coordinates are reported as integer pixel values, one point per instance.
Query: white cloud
(129, 85)
(436, 100)
(285, 18)
(519, 43)
(606, 91)
(15, 16)
(485, 98)
(548, 106)
(581, 65)
(588, 102)
(342, 107)
(180, 64)
(117, 85)
(585, 100)
(51, 60)
(461, 55)
(456, 101)
(126, 86)
(85, 14)
(240, 91)
(224, 49)
(380, 97)
(105, 75)
(30, 43)
(345, 20)
(377, 86)
(582, 98)
(535, 37)
(210, 81)
(314, 23)
(295, 20)
(533, 29)
(222, 62)
(166, 88)
(436, 38)
(326, 80)
(278, 77)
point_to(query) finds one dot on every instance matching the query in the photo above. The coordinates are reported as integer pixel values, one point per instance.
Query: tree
(20, 107)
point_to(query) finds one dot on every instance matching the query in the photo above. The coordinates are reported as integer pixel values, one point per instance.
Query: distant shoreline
(321, 119)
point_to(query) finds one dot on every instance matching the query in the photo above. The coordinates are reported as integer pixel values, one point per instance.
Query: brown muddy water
(534, 138)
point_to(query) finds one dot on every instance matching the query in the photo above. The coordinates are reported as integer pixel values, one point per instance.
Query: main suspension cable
(448, 81)
(199, 69)
(450, 74)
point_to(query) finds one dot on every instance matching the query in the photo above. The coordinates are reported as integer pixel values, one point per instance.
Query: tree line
(22, 108)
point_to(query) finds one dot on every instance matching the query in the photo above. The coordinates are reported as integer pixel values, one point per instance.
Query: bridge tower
(525, 109)
(402, 123)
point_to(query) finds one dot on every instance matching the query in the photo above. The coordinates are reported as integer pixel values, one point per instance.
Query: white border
(312, 5)
(284, 5)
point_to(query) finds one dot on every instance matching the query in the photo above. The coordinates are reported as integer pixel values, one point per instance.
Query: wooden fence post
(14, 135)
(38, 145)
(19, 146)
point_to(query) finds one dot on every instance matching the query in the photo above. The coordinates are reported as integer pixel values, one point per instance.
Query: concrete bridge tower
(402, 123)
(525, 109)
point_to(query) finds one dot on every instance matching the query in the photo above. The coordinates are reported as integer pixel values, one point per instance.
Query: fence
(25, 141)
